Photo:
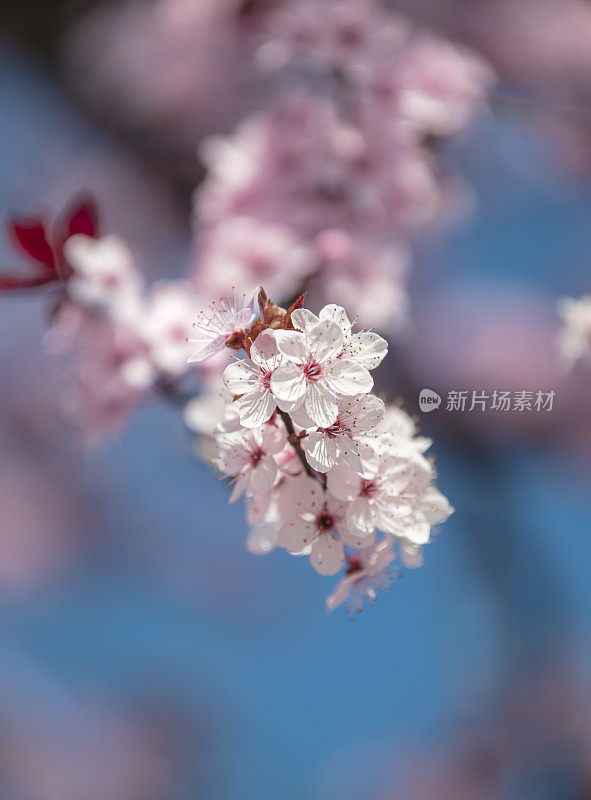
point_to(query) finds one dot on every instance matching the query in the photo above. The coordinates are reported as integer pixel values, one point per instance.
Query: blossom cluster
(326, 469)
(127, 341)
(327, 187)
(321, 193)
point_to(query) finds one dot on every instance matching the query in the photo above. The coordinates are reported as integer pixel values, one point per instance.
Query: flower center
(111, 281)
(325, 521)
(266, 379)
(255, 455)
(354, 564)
(350, 35)
(369, 488)
(312, 370)
(336, 430)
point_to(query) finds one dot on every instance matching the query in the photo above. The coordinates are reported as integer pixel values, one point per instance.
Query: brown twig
(295, 443)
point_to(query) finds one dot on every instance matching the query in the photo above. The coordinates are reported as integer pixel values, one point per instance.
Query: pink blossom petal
(327, 556)
(263, 475)
(262, 539)
(296, 535)
(344, 483)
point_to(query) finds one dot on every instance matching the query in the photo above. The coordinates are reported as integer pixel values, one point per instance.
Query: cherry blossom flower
(247, 252)
(222, 324)
(312, 374)
(264, 517)
(441, 85)
(363, 276)
(110, 376)
(385, 501)
(366, 572)
(364, 347)
(357, 418)
(320, 529)
(165, 325)
(329, 35)
(104, 275)
(250, 380)
(397, 432)
(247, 457)
(428, 509)
(44, 249)
(411, 554)
(212, 410)
(575, 340)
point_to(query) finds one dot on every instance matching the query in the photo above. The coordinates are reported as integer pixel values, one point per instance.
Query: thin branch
(295, 443)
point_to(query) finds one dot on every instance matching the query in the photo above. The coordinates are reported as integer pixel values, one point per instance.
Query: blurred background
(144, 654)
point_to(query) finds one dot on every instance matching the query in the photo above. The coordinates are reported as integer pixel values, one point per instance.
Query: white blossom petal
(347, 378)
(339, 315)
(350, 453)
(288, 383)
(239, 487)
(273, 439)
(299, 416)
(343, 482)
(435, 506)
(255, 408)
(366, 348)
(262, 539)
(303, 319)
(262, 477)
(206, 345)
(292, 344)
(325, 340)
(356, 540)
(264, 350)
(361, 517)
(240, 377)
(321, 406)
(322, 452)
(340, 594)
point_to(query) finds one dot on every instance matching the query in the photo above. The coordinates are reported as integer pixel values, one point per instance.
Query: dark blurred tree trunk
(37, 25)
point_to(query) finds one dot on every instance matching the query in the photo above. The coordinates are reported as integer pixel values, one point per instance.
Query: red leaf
(29, 234)
(14, 282)
(82, 218)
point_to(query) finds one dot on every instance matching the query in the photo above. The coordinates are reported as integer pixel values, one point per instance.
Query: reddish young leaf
(299, 303)
(30, 236)
(271, 316)
(82, 217)
(13, 282)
